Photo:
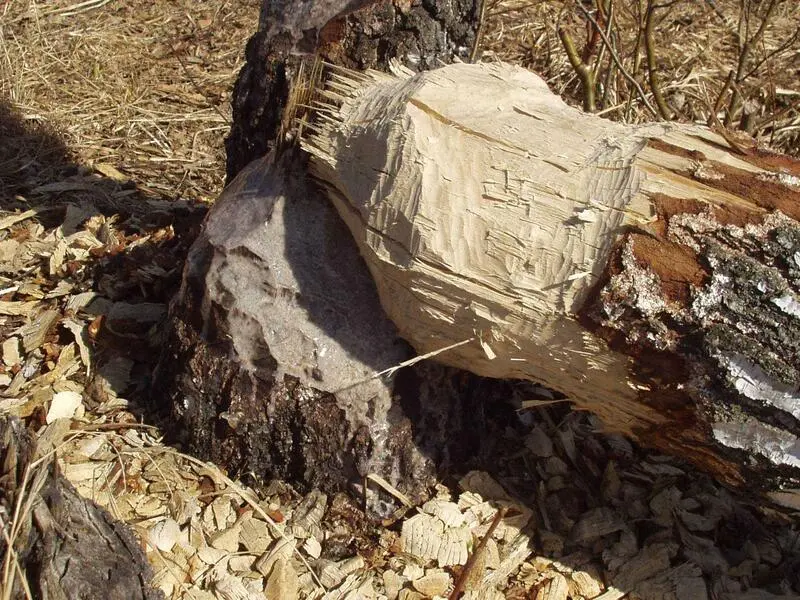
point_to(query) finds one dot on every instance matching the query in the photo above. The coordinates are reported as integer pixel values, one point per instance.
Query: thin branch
(777, 51)
(746, 44)
(618, 62)
(652, 67)
(473, 55)
(720, 97)
(462, 578)
(581, 68)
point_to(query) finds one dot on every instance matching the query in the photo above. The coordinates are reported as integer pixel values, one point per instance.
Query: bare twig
(618, 62)
(720, 97)
(462, 578)
(581, 69)
(479, 33)
(652, 67)
(746, 45)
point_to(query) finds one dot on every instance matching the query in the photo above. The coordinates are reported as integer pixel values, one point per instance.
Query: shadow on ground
(144, 240)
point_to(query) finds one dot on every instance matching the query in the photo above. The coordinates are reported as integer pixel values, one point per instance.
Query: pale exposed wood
(489, 210)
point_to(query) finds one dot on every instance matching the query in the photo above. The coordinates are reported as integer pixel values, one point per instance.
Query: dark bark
(420, 35)
(67, 546)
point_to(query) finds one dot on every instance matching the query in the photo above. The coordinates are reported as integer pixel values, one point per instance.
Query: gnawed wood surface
(650, 273)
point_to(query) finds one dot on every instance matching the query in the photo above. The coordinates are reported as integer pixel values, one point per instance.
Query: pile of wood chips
(574, 513)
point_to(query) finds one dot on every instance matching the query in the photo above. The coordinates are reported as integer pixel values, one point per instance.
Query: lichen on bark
(737, 333)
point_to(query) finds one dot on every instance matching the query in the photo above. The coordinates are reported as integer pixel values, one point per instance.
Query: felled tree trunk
(276, 335)
(651, 273)
(64, 546)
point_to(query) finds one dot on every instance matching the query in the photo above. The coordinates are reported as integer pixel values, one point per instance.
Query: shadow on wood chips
(123, 276)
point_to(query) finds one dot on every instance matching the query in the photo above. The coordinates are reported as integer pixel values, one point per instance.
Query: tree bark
(65, 546)
(651, 273)
(419, 35)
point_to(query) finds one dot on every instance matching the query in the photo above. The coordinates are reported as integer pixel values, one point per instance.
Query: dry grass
(696, 44)
(141, 85)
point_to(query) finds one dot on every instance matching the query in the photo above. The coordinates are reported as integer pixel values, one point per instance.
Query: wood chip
(8, 251)
(241, 564)
(11, 355)
(255, 536)
(555, 588)
(647, 563)
(421, 536)
(585, 585)
(312, 547)
(64, 405)
(163, 534)
(392, 584)
(17, 309)
(308, 514)
(333, 573)
(10, 220)
(80, 332)
(35, 333)
(56, 260)
(434, 583)
(282, 582)
(538, 442)
(481, 483)
(283, 548)
(227, 587)
(449, 512)
(594, 524)
(227, 539)
(454, 547)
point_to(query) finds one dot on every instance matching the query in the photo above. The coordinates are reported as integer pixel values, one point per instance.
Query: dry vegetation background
(112, 119)
(140, 85)
(722, 62)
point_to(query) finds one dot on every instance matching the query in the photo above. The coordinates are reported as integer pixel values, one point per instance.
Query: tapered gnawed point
(571, 250)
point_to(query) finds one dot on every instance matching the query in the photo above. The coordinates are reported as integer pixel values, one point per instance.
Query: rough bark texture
(66, 546)
(650, 273)
(278, 316)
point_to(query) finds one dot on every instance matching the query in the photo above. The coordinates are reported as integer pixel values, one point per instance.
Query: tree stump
(277, 331)
(64, 545)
